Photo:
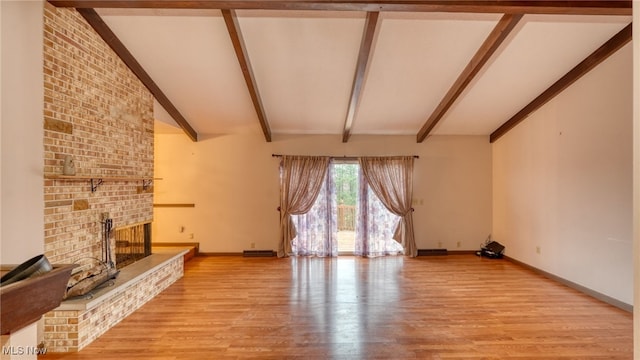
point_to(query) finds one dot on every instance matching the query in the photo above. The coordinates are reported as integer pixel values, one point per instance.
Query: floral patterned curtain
(391, 179)
(317, 233)
(375, 225)
(301, 178)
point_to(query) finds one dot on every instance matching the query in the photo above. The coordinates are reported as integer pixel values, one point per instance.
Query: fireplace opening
(132, 243)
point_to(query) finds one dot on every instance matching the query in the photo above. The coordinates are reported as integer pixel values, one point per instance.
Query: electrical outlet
(537, 249)
(458, 244)
(191, 236)
(439, 244)
(253, 245)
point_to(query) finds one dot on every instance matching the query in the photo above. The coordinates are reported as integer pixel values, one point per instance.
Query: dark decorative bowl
(37, 265)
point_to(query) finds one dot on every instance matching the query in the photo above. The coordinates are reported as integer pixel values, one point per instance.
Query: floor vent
(258, 253)
(432, 252)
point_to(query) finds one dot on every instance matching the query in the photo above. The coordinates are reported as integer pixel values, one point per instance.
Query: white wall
(636, 176)
(562, 183)
(233, 181)
(22, 133)
(22, 198)
(2, 50)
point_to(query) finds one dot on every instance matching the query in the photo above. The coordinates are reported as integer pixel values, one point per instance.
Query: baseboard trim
(241, 254)
(602, 297)
(259, 253)
(462, 252)
(220, 254)
(432, 252)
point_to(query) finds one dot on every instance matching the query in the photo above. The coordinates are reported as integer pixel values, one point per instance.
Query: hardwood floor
(445, 307)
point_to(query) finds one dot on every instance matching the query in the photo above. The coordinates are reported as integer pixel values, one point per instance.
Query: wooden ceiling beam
(601, 54)
(96, 22)
(233, 27)
(499, 33)
(363, 59)
(576, 7)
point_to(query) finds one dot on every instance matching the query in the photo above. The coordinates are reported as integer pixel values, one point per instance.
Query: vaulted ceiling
(360, 67)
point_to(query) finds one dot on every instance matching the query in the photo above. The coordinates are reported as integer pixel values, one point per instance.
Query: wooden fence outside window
(346, 218)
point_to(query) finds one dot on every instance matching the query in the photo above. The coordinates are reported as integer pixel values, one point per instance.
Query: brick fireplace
(97, 112)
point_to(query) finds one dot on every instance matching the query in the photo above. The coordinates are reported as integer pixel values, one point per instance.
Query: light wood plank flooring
(446, 307)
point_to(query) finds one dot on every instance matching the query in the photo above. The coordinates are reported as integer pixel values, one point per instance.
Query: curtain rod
(352, 157)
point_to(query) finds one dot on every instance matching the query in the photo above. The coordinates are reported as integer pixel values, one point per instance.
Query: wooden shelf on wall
(89, 177)
(97, 180)
(174, 205)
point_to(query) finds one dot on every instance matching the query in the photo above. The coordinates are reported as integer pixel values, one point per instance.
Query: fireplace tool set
(92, 276)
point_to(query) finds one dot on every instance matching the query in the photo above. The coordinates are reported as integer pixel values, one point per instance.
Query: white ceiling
(304, 64)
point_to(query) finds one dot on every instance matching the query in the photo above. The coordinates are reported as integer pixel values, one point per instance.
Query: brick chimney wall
(97, 111)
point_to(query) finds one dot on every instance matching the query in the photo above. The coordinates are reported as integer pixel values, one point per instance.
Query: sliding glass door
(347, 218)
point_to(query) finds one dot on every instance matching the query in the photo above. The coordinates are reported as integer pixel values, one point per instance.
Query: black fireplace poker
(107, 227)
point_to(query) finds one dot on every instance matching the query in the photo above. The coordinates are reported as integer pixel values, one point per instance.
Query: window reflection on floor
(344, 298)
